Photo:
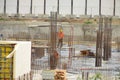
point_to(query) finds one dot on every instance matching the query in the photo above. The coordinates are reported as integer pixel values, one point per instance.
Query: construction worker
(60, 38)
(54, 58)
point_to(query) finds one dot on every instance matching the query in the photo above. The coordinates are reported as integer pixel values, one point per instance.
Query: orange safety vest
(60, 35)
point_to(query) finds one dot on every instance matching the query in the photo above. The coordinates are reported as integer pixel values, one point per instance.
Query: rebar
(17, 6)
(107, 39)
(99, 7)
(85, 7)
(4, 6)
(71, 7)
(98, 62)
(58, 6)
(106, 35)
(114, 9)
(44, 6)
(53, 34)
(31, 6)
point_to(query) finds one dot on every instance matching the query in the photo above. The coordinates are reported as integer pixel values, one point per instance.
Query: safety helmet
(61, 30)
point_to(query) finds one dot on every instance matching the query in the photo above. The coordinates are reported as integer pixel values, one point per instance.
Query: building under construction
(89, 48)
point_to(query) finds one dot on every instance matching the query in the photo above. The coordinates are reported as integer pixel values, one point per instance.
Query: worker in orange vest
(60, 38)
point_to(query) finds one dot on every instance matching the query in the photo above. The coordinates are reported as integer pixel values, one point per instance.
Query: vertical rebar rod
(58, 6)
(71, 49)
(31, 6)
(71, 7)
(106, 39)
(98, 61)
(85, 7)
(110, 37)
(4, 6)
(70, 55)
(85, 75)
(114, 4)
(72, 34)
(17, 6)
(44, 6)
(53, 29)
(99, 7)
(118, 44)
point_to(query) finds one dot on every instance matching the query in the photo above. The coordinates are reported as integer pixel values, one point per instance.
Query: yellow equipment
(6, 64)
(61, 30)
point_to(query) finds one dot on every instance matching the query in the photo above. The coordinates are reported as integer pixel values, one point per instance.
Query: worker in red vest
(60, 38)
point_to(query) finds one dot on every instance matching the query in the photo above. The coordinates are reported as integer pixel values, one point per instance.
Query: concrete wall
(22, 59)
(21, 29)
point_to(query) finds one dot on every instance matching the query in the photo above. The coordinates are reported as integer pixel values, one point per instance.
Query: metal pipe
(31, 5)
(17, 6)
(71, 7)
(4, 6)
(99, 7)
(44, 6)
(114, 7)
(58, 7)
(85, 7)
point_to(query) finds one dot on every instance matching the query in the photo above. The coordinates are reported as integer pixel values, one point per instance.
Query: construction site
(55, 46)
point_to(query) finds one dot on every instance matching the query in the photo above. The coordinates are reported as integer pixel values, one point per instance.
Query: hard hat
(61, 30)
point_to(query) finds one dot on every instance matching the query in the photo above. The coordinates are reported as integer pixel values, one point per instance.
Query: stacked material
(60, 75)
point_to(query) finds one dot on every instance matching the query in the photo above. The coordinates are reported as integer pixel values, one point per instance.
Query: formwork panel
(6, 65)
